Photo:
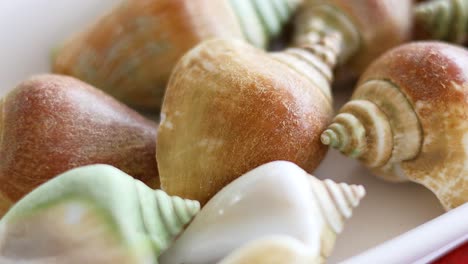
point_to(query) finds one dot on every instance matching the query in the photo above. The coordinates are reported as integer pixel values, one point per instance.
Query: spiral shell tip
(329, 138)
(359, 190)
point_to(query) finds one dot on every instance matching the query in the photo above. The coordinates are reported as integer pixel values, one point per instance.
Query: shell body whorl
(143, 221)
(422, 90)
(228, 114)
(272, 250)
(54, 123)
(130, 52)
(443, 20)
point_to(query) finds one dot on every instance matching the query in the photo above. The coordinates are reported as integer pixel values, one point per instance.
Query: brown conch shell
(130, 52)
(231, 107)
(408, 119)
(50, 124)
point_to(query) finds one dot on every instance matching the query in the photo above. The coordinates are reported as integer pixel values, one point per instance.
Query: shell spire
(444, 19)
(263, 20)
(378, 126)
(164, 216)
(319, 45)
(361, 131)
(336, 200)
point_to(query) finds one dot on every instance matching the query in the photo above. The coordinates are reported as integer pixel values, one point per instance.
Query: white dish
(31, 28)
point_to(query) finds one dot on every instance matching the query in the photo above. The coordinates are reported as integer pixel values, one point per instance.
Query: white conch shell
(272, 250)
(278, 198)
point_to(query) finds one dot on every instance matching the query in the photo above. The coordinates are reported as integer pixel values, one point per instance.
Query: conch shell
(130, 52)
(272, 250)
(277, 198)
(93, 214)
(51, 123)
(443, 20)
(407, 119)
(230, 107)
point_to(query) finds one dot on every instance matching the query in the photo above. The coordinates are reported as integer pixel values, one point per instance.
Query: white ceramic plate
(29, 29)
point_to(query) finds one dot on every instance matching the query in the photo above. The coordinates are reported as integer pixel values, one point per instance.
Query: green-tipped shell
(378, 126)
(143, 220)
(444, 19)
(262, 20)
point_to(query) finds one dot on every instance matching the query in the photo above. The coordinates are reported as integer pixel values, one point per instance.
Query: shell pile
(226, 176)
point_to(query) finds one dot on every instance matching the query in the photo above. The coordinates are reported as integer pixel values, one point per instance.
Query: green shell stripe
(268, 16)
(250, 23)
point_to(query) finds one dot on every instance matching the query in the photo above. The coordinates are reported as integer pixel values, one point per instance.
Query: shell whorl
(326, 28)
(336, 201)
(378, 126)
(164, 216)
(175, 212)
(444, 19)
(323, 38)
(262, 20)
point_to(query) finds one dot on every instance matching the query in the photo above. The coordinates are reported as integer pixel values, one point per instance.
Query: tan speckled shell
(229, 108)
(155, 34)
(51, 123)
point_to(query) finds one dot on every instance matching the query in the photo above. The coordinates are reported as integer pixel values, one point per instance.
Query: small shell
(407, 119)
(444, 19)
(137, 220)
(272, 250)
(295, 203)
